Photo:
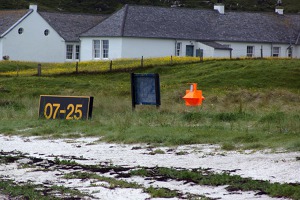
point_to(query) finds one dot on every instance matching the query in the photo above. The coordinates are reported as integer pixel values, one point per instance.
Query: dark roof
(216, 45)
(205, 25)
(70, 26)
(9, 17)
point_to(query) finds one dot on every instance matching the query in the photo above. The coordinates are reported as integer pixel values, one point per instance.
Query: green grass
(249, 104)
(31, 191)
(113, 183)
(233, 182)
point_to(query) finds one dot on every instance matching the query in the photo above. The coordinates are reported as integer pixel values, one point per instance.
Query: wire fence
(101, 66)
(47, 69)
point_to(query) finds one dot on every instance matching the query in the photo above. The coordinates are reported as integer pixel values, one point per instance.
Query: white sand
(280, 167)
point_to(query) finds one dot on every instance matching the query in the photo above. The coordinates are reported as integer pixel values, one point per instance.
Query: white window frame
(178, 48)
(276, 52)
(21, 31)
(105, 49)
(46, 32)
(77, 52)
(100, 49)
(69, 51)
(72, 52)
(96, 49)
(250, 51)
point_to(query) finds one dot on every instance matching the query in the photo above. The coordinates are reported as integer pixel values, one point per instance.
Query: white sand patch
(280, 167)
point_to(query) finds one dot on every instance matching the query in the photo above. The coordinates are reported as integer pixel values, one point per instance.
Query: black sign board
(66, 107)
(145, 89)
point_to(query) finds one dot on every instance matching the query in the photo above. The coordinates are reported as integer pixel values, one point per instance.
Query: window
(105, 47)
(46, 32)
(178, 49)
(276, 51)
(77, 52)
(72, 52)
(20, 30)
(250, 51)
(100, 49)
(96, 48)
(69, 54)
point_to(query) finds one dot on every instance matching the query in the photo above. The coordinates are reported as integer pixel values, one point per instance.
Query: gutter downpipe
(271, 49)
(296, 43)
(175, 47)
(297, 39)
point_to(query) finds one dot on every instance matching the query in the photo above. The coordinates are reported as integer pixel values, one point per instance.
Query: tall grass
(13, 68)
(248, 104)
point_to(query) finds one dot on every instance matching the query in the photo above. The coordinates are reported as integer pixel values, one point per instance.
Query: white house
(43, 36)
(136, 31)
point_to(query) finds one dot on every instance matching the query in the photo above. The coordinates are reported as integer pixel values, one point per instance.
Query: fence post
(39, 69)
(76, 67)
(171, 61)
(110, 65)
(142, 61)
(201, 54)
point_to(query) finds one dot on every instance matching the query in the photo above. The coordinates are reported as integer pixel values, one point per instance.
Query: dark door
(189, 50)
(199, 53)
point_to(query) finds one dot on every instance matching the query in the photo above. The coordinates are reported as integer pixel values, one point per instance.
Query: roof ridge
(71, 13)
(211, 9)
(124, 20)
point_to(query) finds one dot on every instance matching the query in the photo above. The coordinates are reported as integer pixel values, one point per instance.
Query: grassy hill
(248, 104)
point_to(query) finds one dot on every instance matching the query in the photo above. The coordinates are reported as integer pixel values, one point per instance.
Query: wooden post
(110, 66)
(201, 54)
(76, 67)
(39, 69)
(142, 61)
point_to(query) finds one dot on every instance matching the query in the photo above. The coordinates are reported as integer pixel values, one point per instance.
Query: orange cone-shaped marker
(193, 97)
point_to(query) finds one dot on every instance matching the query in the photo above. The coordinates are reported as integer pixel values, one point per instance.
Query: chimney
(219, 6)
(33, 7)
(279, 7)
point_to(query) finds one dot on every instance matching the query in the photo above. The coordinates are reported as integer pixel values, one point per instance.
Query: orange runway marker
(193, 97)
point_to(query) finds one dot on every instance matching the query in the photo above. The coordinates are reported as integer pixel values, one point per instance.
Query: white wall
(219, 53)
(240, 49)
(138, 47)
(32, 44)
(115, 48)
(296, 51)
(208, 51)
(128, 47)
